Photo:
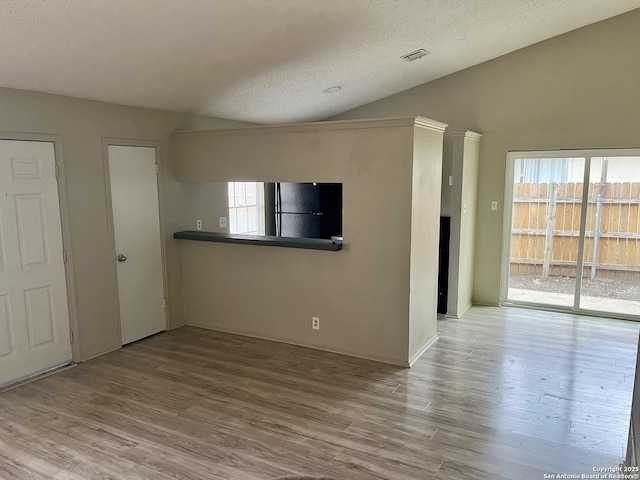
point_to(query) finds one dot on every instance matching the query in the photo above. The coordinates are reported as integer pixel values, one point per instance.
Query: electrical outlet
(198, 224)
(315, 323)
(223, 222)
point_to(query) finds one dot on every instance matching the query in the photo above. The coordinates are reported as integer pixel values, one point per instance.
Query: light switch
(494, 205)
(223, 222)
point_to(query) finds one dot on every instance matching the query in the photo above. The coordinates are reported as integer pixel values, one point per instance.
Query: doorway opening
(573, 231)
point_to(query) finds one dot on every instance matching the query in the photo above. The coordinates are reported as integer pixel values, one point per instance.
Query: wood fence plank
(623, 251)
(562, 190)
(525, 213)
(517, 189)
(568, 209)
(614, 218)
(576, 216)
(556, 250)
(591, 218)
(516, 216)
(606, 250)
(565, 246)
(634, 218)
(588, 250)
(534, 215)
(543, 190)
(633, 255)
(605, 221)
(623, 222)
(617, 190)
(620, 227)
(516, 246)
(530, 243)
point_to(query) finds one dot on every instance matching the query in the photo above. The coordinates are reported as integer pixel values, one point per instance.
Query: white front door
(136, 224)
(34, 314)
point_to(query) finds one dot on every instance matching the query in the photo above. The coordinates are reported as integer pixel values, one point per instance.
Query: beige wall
(465, 159)
(82, 125)
(208, 202)
(425, 226)
(576, 90)
(361, 293)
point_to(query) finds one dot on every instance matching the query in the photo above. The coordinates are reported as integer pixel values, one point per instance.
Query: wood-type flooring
(505, 393)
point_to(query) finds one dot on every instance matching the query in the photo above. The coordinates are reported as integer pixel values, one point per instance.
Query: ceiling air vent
(410, 57)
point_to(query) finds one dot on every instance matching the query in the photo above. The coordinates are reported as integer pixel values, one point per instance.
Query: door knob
(122, 258)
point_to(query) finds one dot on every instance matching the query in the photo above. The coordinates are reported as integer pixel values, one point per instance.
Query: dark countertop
(261, 240)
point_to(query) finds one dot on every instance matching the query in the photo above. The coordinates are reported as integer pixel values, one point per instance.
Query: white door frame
(126, 142)
(56, 140)
(587, 154)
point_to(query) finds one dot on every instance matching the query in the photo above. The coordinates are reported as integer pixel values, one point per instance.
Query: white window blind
(246, 208)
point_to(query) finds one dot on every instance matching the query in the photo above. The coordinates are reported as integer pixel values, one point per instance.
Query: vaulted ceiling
(265, 61)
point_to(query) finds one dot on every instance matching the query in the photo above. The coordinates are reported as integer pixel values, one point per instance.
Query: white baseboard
(424, 348)
(460, 313)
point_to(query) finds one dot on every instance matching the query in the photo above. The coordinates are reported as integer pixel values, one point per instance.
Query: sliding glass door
(611, 261)
(571, 247)
(546, 210)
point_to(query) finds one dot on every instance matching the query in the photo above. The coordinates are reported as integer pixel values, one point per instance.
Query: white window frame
(240, 205)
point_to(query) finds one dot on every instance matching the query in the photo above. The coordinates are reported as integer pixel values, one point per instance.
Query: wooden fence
(546, 226)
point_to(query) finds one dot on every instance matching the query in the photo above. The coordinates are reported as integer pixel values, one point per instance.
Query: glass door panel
(611, 276)
(545, 230)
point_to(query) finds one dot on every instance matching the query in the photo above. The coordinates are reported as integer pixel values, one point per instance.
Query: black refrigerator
(308, 210)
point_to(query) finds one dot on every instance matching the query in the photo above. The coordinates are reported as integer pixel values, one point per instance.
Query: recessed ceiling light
(410, 57)
(335, 89)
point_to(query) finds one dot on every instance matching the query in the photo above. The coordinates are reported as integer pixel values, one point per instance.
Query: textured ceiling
(266, 61)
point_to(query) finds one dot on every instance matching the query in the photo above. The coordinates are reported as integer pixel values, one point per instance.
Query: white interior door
(34, 315)
(134, 200)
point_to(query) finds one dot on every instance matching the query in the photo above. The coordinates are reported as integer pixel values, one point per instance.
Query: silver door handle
(122, 258)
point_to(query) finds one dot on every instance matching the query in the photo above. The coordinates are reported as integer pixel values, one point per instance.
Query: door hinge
(64, 257)
(71, 335)
(157, 168)
(164, 302)
(57, 172)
